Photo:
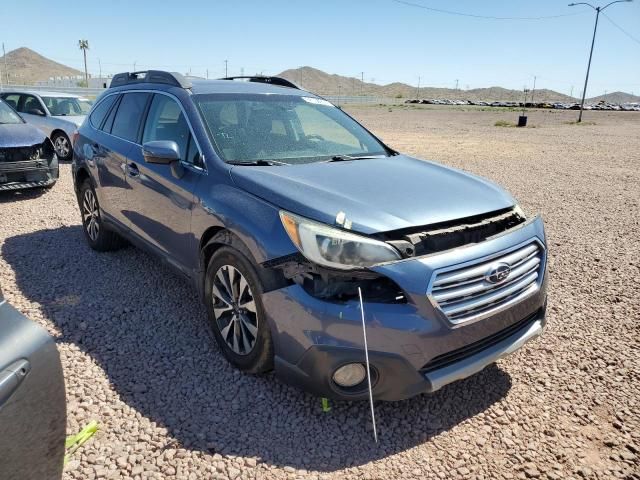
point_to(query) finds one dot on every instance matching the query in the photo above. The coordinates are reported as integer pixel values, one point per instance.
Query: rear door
(117, 137)
(160, 204)
(32, 400)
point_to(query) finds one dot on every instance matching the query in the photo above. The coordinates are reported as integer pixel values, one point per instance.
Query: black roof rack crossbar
(279, 81)
(150, 76)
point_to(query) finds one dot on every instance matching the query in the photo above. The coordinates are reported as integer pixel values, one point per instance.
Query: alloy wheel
(61, 146)
(90, 215)
(234, 308)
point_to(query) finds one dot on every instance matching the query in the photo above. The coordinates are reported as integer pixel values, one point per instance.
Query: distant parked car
(56, 114)
(27, 157)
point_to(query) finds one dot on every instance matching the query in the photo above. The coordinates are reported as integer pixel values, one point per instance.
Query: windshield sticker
(317, 101)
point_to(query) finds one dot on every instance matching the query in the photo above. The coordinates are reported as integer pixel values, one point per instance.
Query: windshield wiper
(260, 163)
(345, 158)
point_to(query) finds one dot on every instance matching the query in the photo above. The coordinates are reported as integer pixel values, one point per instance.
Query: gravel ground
(137, 358)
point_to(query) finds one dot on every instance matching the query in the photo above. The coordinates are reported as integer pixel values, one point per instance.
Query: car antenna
(366, 356)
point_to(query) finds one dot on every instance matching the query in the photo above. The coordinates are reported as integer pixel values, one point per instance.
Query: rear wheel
(233, 294)
(62, 146)
(96, 233)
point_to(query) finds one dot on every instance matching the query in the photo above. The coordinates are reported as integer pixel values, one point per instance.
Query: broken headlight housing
(335, 248)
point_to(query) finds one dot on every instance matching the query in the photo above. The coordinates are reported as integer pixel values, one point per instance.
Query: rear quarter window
(100, 112)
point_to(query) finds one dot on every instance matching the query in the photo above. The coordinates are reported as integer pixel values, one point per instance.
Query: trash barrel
(522, 121)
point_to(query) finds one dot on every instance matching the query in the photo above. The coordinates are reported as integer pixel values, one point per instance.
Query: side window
(108, 123)
(31, 105)
(166, 121)
(193, 154)
(126, 123)
(100, 112)
(12, 99)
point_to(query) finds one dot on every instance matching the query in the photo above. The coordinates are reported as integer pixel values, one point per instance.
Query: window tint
(30, 104)
(108, 123)
(100, 112)
(127, 121)
(12, 99)
(167, 122)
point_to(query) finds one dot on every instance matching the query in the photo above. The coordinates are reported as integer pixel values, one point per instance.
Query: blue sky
(387, 40)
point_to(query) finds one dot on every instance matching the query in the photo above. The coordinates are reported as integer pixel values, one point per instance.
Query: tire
(62, 146)
(239, 323)
(98, 236)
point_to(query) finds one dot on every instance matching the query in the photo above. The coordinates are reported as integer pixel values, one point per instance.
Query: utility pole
(533, 90)
(456, 84)
(593, 41)
(100, 68)
(207, 74)
(571, 94)
(6, 69)
(134, 65)
(226, 71)
(84, 46)
(418, 90)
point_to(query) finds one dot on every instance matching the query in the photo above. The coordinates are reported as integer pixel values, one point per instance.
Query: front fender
(254, 221)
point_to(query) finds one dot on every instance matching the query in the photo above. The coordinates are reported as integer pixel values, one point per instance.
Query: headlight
(519, 211)
(335, 248)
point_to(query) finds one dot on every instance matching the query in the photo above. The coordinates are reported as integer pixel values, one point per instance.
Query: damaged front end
(336, 285)
(30, 166)
(418, 241)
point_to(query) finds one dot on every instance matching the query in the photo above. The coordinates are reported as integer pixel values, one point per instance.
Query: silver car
(56, 114)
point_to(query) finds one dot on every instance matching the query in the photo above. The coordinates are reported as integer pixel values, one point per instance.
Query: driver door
(27, 107)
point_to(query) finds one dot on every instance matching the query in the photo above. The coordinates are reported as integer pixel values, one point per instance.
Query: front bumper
(394, 377)
(413, 348)
(28, 174)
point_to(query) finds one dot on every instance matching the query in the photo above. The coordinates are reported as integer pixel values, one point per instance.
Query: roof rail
(279, 81)
(150, 76)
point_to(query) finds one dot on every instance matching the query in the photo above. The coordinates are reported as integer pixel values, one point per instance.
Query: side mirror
(36, 111)
(161, 151)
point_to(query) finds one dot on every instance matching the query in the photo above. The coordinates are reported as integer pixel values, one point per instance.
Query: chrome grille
(465, 294)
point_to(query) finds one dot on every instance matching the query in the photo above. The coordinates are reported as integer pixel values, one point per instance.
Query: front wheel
(233, 294)
(62, 146)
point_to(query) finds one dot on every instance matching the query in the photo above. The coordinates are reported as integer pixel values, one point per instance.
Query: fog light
(349, 375)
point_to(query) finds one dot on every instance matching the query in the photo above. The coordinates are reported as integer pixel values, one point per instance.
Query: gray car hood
(377, 195)
(20, 135)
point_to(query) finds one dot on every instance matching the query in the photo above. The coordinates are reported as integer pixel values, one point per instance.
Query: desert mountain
(330, 84)
(26, 67)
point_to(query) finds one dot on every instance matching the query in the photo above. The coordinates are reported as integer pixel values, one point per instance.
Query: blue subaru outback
(281, 209)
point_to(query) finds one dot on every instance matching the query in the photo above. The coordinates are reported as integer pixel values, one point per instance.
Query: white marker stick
(366, 356)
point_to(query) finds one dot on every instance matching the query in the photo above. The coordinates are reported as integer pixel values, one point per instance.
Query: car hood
(20, 135)
(377, 195)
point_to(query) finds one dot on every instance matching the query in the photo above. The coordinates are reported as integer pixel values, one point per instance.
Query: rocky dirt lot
(138, 359)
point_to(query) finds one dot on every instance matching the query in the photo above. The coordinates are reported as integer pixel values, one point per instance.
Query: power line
(621, 29)
(485, 17)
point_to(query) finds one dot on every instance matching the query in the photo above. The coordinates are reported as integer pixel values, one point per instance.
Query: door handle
(11, 378)
(132, 170)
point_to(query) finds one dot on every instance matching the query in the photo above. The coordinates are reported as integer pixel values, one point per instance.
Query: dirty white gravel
(138, 359)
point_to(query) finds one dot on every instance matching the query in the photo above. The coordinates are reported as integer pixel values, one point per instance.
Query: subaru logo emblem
(498, 273)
